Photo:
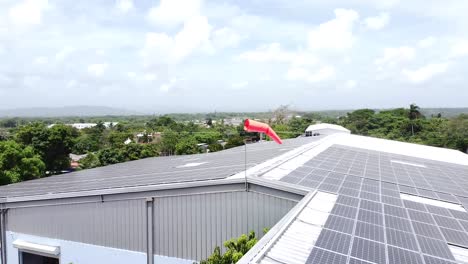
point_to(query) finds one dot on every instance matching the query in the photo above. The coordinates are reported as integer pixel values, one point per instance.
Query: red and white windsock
(254, 126)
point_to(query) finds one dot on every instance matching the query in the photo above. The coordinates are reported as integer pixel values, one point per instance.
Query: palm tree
(413, 115)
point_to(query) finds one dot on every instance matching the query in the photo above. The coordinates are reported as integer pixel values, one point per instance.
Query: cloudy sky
(195, 55)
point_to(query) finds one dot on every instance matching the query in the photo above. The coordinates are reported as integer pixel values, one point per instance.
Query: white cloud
(64, 53)
(124, 6)
(460, 48)
(335, 34)
(28, 12)
(72, 83)
(350, 84)
(225, 37)
(31, 80)
(427, 42)
(41, 60)
(302, 74)
(167, 86)
(395, 56)
(159, 47)
(377, 22)
(239, 85)
(97, 69)
(131, 75)
(425, 73)
(174, 12)
(274, 53)
(150, 77)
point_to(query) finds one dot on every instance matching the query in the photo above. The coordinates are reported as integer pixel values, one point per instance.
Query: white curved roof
(327, 126)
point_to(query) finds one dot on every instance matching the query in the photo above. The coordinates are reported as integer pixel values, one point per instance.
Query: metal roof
(373, 220)
(154, 171)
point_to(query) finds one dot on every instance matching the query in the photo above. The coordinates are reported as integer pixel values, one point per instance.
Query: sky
(204, 56)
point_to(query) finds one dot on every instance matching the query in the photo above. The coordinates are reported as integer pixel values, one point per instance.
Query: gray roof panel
(159, 170)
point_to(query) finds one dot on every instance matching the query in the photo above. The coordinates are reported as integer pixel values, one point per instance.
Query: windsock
(254, 126)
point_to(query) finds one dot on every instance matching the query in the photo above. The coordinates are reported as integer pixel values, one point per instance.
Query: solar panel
(323, 256)
(344, 211)
(448, 222)
(398, 255)
(427, 230)
(455, 237)
(371, 206)
(370, 231)
(368, 250)
(434, 260)
(398, 223)
(370, 217)
(401, 239)
(334, 241)
(395, 211)
(435, 247)
(370, 209)
(420, 217)
(341, 224)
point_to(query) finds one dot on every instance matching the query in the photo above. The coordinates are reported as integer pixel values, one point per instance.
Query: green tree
(85, 143)
(52, 144)
(110, 156)
(117, 138)
(235, 250)
(234, 141)
(187, 145)
(457, 133)
(90, 161)
(215, 147)
(414, 114)
(168, 142)
(18, 163)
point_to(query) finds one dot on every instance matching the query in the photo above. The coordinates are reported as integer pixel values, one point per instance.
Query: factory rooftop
(364, 200)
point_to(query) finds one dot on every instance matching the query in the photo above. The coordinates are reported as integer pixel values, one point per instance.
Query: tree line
(30, 150)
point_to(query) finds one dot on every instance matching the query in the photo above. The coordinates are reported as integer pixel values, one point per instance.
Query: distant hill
(66, 111)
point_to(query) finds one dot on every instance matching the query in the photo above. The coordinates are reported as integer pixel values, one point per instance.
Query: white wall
(80, 253)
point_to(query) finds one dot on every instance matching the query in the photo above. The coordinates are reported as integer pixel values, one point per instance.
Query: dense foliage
(30, 149)
(235, 250)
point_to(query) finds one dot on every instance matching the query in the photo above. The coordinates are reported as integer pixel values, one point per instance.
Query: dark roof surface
(370, 223)
(159, 170)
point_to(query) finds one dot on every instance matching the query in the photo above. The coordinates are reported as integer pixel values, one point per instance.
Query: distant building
(325, 129)
(75, 160)
(83, 125)
(80, 126)
(233, 121)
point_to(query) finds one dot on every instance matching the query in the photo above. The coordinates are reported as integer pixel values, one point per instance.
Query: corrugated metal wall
(190, 227)
(118, 224)
(185, 226)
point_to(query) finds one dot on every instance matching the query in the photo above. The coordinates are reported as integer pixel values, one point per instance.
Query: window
(29, 258)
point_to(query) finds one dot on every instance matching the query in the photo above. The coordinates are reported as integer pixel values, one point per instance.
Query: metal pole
(3, 236)
(245, 165)
(149, 231)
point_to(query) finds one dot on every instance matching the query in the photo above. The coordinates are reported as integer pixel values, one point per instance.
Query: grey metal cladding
(190, 227)
(118, 224)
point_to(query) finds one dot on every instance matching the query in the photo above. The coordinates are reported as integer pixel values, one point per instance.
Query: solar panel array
(159, 170)
(370, 223)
